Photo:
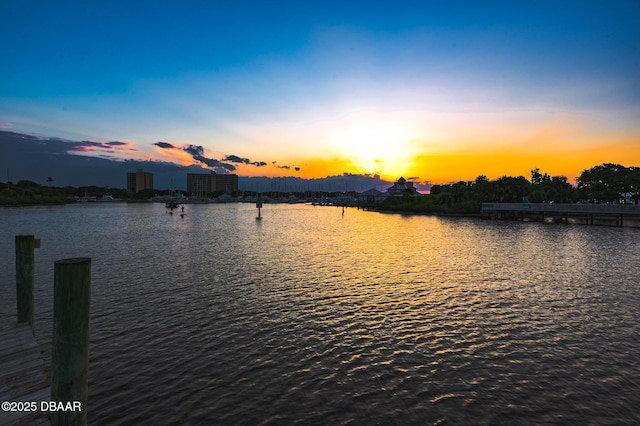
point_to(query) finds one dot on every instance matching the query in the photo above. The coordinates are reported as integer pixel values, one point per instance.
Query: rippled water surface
(311, 316)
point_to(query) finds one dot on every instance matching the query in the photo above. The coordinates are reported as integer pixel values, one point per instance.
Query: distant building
(401, 187)
(226, 183)
(371, 198)
(202, 184)
(139, 180)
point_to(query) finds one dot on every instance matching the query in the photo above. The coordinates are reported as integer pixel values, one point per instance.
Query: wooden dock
(24, 375)
(588, 213)
(31, 391)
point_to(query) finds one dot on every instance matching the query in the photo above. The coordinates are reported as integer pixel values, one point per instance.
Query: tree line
(605, 183)
(28, 192)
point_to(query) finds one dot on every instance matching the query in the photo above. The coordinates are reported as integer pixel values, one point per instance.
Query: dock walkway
(613, 212)
(24, 375)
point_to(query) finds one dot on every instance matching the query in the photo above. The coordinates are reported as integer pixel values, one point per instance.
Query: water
(310, 316)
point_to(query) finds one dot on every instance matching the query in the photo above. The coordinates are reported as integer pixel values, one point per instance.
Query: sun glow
(376, 147)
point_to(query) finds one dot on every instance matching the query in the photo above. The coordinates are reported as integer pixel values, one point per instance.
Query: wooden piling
(25, 271)
(70, 351)
(259, 206)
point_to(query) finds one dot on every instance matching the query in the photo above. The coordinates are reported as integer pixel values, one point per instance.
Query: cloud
(165, 145)
(90, 146)
(27, 157)
(284, 166)
(186, 155)
(197, 152)
(33, 158)
(194, 150)
(64, 146)
(236, 159)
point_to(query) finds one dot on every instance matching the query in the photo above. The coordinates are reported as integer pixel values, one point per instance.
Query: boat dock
(606, 214)
(25, 376)
(34, 388)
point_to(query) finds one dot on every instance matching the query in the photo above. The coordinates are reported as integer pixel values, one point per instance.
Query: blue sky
(331, 87)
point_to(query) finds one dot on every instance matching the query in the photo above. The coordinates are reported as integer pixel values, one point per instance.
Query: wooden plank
(16, 418)
(22, 349)
(16, 365)
(20, 334)
(30, 380)
(24, 345)
(24, 375)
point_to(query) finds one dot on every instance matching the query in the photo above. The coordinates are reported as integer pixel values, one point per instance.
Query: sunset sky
(435, 91)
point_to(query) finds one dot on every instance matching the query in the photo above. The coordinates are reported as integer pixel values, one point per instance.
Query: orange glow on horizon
(451, 166)
(454, 166)
(557, 145)
(310, 168)
(178, 156)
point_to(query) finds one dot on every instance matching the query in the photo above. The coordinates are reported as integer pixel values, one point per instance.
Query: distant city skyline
(439, 92)
(25, 157)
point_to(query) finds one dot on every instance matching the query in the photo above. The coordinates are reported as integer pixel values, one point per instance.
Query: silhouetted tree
(27, 184)
(546, 188)
(538, 178)
(539, 186)
(507, 189)
(537, 196)
(631, 183)
(559, 190)
(603, 183)
(482, 188)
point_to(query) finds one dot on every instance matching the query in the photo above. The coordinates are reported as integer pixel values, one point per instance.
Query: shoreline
(635, 224)
(444, 214)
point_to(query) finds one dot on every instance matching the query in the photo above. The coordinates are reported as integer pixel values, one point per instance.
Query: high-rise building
(139, 180)
(226, 183)
(201, 184)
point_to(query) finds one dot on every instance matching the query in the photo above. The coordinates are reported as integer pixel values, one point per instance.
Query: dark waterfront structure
(200, 183)
(226, 183)
(585, 213)
(401, 187)
(203, 183)
(139, 180)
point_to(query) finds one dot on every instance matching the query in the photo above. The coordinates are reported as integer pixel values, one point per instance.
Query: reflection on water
(313, 317)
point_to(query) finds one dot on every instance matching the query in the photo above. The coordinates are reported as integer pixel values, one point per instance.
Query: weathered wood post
(25, 270)
(70, 352)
